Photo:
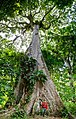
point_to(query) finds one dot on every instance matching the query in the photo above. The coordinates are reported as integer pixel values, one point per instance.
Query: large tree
(19, 17)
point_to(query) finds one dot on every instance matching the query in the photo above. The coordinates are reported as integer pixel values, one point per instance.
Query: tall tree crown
(10, 8)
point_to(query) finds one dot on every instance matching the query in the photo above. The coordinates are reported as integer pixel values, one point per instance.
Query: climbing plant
(15, 66)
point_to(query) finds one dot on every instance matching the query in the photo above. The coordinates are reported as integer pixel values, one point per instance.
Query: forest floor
(7, 114)
(45, 117)
(36, 117)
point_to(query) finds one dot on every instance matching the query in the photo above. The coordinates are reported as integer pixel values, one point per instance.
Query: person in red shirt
(44, 107)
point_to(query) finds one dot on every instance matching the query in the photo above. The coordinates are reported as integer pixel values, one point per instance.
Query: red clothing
(45, 105)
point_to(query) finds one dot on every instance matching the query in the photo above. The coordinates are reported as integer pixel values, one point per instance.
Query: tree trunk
(41, 90)
(46, 90)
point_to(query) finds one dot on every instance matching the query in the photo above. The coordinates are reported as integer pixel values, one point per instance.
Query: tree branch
(43, 25)
(15, 38)
(47, 13)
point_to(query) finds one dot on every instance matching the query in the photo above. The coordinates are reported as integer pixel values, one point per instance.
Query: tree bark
(46, 90)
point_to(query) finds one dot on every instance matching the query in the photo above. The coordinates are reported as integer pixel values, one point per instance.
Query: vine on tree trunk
(28, 76)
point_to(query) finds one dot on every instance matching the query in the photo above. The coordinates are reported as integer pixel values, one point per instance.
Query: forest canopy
(10, 7)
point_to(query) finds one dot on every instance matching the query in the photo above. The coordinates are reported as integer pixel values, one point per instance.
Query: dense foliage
(8, 69)
(14, 67)
(10, 8)
(59, 54)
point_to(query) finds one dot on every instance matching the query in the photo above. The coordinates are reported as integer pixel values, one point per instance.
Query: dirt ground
(45, 117)
(36, 117)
